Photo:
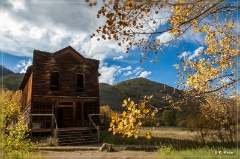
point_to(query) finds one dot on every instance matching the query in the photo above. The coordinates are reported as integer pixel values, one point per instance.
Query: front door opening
(65, 117)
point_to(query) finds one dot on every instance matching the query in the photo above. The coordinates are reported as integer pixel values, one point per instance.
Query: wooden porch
(63, 129)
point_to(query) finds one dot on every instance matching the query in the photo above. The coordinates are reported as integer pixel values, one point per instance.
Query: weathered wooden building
(60, 90)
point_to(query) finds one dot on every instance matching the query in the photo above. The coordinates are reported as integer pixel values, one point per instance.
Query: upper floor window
(80, 83)
(54, 85)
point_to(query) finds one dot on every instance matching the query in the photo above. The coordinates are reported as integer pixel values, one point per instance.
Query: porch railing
(96, 126)
(55, 121)
(38, 126)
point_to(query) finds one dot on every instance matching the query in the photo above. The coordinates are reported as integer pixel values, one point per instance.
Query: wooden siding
(41, 100)
(68, 68)
(27, 92)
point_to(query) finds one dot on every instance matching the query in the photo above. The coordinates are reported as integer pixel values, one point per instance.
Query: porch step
(76, 137)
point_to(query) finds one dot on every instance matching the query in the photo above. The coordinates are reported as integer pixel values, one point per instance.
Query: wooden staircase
(75, 137)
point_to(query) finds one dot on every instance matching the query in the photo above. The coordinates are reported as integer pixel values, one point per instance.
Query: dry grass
(170, 132)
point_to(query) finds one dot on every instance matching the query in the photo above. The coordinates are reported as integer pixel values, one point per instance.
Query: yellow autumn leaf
(152, 114)
(135, 136)
(138, 111)
(229, 25)
(148, 137)
(176, 65)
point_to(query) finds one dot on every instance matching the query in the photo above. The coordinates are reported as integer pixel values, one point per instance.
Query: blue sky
(51, 26)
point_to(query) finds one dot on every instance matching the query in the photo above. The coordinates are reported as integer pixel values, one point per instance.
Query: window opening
(54, 81)
(80, 83)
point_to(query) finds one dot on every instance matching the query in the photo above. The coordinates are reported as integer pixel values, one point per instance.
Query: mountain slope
(4, 71)
(11, 81)
(135, 89)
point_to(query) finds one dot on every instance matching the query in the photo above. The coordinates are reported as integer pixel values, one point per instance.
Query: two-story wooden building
(60, 89)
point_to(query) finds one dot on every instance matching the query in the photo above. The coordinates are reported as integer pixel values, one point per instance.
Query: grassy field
(166, 142)
(175, 142)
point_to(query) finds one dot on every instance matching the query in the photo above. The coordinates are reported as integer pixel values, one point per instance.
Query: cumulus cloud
(108, 74)
(118, 58)
(124, 69)
(189, 55)
(18, 5)
(144, 74)
(52, 26)
(196, 52)
(23, 65)
(127, 73)
(184, 54)
(137, 71)
(165, 37)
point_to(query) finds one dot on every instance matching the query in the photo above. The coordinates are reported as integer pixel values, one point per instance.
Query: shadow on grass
(177, 144)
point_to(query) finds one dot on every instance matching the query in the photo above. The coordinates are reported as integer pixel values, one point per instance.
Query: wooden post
(52, 124)
(30, 125)
(89, 123)
(98, 133)
(105, 122)
(55, 134)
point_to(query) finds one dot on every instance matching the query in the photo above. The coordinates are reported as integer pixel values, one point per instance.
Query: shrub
(169, 117)
(17, 142)
(163, 149)
(182, 123)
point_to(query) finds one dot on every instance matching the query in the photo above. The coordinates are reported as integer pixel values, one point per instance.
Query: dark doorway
(65, 117)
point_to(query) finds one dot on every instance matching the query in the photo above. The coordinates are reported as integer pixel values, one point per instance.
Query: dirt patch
(124, 154)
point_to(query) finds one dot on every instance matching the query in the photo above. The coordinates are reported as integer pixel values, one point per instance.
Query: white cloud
(137, 71)
(118, 58)
(144, 74)
(107, 74)
(184, 54)
(127, 73)
(165, 37)
(44, 26)
(196, 52)
(224, 80)
(189, 55)
(192, 37)
(52, 26)
(37, 33)
(124, 69)
(23, 65)
(110, 73)
(17, 5)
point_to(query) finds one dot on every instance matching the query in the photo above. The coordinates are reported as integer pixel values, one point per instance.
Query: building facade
(60, 90)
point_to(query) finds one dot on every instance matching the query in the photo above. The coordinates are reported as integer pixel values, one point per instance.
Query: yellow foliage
(130, 121)
(128, 21)
(107, 111)
(16, 142)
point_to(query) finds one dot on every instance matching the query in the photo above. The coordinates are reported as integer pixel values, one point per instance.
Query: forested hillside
(11, 81)
(4, 71)
(136, 89)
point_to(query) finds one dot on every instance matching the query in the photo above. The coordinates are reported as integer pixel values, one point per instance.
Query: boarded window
(91, 107)
(80, 83)
(42, 121)
(54, 81)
